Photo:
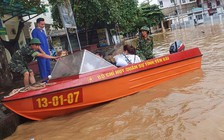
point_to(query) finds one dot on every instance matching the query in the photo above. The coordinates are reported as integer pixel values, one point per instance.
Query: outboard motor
(177, 46)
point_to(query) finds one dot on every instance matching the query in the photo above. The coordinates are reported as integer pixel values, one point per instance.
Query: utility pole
(180, 7)
(177, 12)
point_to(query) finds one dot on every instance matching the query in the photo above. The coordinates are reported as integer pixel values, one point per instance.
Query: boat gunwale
(102, 80)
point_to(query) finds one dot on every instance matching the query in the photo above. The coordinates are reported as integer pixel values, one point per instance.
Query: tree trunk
(11, 44)
(163, 29)
(87, 37)
(5, 74)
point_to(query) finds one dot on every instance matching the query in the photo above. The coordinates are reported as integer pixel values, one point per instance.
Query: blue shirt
(40, 34)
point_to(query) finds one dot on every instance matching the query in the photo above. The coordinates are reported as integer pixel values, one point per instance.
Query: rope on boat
(28, 88)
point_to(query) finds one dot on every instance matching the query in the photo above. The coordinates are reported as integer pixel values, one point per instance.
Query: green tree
(124, 13)
(149, 15)
(128, 10)
(95, 12)
(89, 14)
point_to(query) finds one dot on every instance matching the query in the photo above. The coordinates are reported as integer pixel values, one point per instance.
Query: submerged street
(189, 107)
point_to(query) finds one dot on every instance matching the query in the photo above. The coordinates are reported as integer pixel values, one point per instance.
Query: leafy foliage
(21, 7)
(55, 13)
(128, 14)
(150, 15)
(92, 13)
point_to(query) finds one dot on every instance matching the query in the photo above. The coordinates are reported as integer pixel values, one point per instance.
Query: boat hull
(105, 87)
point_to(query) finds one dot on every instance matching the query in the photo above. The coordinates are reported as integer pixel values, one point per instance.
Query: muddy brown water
(189, 107)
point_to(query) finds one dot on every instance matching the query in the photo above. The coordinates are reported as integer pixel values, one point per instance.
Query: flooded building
(183, 13)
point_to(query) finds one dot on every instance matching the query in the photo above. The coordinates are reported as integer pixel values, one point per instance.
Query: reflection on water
(189, 107)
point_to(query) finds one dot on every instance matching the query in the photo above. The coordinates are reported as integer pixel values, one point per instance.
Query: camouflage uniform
(145, 48)
(21, 58)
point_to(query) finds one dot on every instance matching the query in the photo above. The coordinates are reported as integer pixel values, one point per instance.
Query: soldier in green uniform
(145, 44)
(23, 56)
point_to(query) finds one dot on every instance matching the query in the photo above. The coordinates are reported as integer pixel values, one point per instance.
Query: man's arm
(46, 56)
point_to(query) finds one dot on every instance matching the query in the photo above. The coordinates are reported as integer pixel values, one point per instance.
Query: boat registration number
(58, 99)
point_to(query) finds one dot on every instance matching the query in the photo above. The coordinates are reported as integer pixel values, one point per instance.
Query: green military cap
(144, 28)
(34, 41)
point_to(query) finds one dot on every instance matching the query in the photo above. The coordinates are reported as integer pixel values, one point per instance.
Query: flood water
(190, 107)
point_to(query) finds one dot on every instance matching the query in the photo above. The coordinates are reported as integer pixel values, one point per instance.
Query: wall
(167, 3)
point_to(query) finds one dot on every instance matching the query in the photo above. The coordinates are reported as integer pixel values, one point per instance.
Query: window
(183, 1)
(172, 1)
(199, 17)
(161, 3)
(218, 3)
(209, 4)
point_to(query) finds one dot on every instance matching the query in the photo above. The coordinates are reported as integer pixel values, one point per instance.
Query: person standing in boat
(43, 63)
(145, 44)
(23, 56)
(127, 57)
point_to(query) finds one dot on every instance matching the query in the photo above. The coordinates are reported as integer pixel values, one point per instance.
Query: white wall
(167, 3)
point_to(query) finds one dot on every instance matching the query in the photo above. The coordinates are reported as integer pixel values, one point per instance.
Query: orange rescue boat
(78, 82)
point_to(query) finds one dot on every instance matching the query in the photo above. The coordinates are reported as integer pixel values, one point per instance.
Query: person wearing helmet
(23, 56)
(145, 44)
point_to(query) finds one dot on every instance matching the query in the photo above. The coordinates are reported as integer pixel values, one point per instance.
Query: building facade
(181, 13)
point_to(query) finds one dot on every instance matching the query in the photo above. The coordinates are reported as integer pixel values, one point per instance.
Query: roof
(9, 7)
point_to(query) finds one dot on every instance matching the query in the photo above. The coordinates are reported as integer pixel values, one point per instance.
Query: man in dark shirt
(21, 58)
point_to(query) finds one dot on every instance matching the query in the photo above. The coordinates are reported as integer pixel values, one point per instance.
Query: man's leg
(32, 78)
(42, 67)
(26, 78)
(48, 67)
(20, 68)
